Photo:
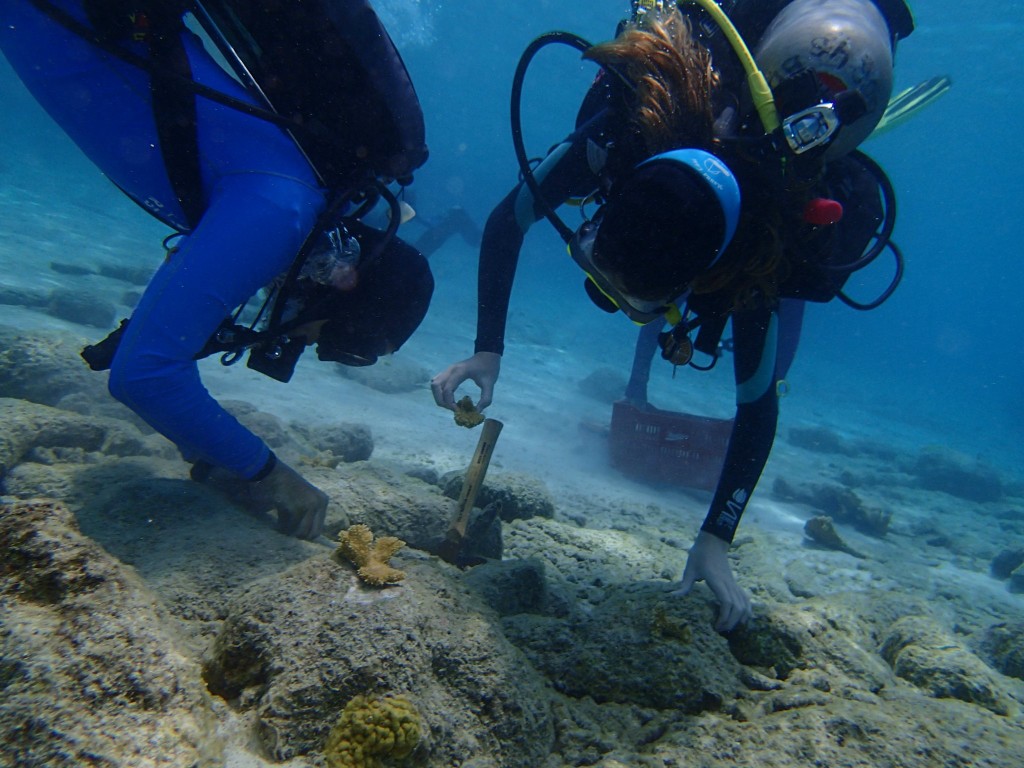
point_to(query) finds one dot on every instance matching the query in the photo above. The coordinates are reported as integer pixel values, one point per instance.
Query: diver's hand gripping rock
(483, 368)
(300, 505)
(709, 561)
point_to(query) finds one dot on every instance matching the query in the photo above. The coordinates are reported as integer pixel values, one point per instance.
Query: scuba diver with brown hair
(721, 149)
(262, 158)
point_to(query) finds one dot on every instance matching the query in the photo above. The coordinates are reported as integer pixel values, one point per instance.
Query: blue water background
(944, 355)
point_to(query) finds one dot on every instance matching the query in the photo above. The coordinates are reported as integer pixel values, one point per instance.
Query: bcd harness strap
(174, 103)
(174, 109)
(174, 93)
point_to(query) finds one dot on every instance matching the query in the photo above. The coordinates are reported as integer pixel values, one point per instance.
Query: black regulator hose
(881, 242)
(525, 169)
(323, 222)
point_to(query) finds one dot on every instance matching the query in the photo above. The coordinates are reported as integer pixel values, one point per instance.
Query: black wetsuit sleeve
(499, 257)
(757, 412)
(764, 348)
(564, 173)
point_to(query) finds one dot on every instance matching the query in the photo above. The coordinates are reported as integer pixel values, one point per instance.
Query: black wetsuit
(567, 172)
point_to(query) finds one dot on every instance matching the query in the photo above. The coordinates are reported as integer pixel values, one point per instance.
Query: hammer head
(481, 541)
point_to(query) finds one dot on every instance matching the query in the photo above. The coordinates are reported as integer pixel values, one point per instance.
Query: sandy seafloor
(55, 208)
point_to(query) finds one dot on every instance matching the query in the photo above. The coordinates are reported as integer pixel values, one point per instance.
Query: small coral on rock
(821, 531)
(371, 557)
(372, 728)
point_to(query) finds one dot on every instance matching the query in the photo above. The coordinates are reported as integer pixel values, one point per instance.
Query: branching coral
(372, 728)
(466, 414)
(371, 557)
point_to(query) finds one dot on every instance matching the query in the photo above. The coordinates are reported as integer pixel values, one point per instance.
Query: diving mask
(664, 224)
(601, 290)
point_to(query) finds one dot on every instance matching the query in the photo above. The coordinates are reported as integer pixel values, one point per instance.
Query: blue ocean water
(944, 351)
(941, 362)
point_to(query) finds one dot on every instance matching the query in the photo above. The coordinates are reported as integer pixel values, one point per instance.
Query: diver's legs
(455, 221)
(791, 320)
(643, 355)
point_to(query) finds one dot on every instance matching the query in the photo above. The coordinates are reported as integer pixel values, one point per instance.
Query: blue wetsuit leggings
(261, 199)
(791, 313)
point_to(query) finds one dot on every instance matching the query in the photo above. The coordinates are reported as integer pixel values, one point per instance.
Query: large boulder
(521, 496)
(1003, 646)
(92, 672)
(390, 502)
(641, 646)
(44, 366)
(923, 653)
(298, 647)
(52, 435)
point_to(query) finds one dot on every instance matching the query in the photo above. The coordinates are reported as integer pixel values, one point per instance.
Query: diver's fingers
(444, 393)
(311, 523)
(486, 395)
(735, 609)
(687, 582)
(437, 391)
(728, 616)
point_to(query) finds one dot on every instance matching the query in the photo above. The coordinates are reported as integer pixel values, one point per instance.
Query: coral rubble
(822, 531)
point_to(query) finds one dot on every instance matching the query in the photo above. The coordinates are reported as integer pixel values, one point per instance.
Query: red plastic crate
(667, 446)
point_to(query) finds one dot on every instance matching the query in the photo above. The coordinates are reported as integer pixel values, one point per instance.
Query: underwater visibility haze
(149, 620)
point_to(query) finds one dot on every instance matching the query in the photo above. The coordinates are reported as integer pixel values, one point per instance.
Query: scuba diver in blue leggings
(254, 158)
(720, 150)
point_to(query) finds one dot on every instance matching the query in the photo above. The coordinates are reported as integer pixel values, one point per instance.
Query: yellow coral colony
(372, 728)
(371, 557)
(466, 414)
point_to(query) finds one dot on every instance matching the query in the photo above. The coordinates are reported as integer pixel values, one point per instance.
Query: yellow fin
(406, 211)
(910, 101)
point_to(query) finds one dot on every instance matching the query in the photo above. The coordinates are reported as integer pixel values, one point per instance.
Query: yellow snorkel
(764, 102)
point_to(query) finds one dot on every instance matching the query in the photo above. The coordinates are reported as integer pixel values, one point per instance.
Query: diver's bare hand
(300, 505)
(482, 368)
(708, 561)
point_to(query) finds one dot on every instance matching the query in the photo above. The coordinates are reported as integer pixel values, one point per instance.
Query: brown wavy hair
(759, 261)
(673, 77)
(752, 278)
(673, 107)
